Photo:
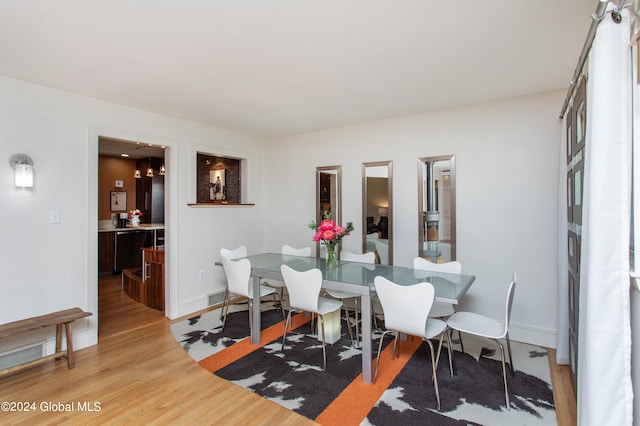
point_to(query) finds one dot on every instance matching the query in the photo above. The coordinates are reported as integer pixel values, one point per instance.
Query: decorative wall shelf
(220, 204)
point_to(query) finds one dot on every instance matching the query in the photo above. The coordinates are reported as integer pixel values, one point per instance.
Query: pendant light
(162, 170)
(150, 170)
(136, 174)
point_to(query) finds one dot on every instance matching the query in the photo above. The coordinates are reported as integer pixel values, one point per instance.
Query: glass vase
(331, 261)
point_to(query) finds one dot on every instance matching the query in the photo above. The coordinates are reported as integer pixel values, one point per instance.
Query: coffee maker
(121, 221)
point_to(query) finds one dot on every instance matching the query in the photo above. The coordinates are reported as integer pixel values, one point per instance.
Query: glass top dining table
(354, 277)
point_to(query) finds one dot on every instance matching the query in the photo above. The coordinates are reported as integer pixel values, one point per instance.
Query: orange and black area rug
(403, 392)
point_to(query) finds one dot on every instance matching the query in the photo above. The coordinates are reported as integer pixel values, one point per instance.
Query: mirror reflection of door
(377, 229)
(437, 208)
(328, 196)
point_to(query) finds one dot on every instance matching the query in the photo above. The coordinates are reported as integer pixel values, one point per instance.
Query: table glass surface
(447, 286)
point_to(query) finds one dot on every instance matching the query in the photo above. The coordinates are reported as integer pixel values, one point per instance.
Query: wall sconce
(162, 170)
(137, 175)
(23, 170)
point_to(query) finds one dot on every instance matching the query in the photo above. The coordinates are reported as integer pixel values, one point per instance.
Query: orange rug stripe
(244, 347)
(357, 399)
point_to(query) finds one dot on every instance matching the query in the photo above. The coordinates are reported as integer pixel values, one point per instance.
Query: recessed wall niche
(218, 179)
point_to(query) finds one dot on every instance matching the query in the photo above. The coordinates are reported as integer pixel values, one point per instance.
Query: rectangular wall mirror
(377, 210)
(328, 196)
(437, 208)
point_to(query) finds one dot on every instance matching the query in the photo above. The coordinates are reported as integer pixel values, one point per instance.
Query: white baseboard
(533, 335)
(190, 306)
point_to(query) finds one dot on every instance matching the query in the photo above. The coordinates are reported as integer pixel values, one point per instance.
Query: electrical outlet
(201, 275)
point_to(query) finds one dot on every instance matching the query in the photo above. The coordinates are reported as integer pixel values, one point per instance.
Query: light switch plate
(119, 184)
(54, 216)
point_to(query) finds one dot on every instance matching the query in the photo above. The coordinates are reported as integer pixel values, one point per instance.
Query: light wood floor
(137, 374)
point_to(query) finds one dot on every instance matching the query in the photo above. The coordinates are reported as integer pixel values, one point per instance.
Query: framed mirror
(437, 208)
(328, 195)
(377, 210)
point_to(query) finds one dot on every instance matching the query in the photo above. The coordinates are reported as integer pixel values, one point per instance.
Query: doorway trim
(95, 132)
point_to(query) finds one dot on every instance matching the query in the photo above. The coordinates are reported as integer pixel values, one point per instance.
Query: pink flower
(327, 224)
(317, 236)
(328, 235)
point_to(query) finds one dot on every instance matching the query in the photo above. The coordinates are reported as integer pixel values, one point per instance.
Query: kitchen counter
(107, 226)
(119, 248)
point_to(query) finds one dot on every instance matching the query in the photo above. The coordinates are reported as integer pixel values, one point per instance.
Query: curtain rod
(597, 17)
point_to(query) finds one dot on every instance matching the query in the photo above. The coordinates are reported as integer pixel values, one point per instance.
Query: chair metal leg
(395, 345)
(513, 370)
(355, 309)
(375, 374)
(433, 370)
(504, 374)
(224, 300)
(225, 314)
(346, 314)
(460, 339)
(450, 351)
(373, 313)
(281, 306)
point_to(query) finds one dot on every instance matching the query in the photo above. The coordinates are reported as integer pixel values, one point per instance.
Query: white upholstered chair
(304, 296)
(238, 273)
(406, 310)
(480, 325)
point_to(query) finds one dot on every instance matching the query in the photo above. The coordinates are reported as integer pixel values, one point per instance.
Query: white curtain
(562, 338)
(605, 395)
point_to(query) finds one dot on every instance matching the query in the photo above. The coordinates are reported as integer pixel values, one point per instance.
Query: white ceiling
(276, 67)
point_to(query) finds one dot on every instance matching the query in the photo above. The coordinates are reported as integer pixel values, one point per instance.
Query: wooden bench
(58, 319)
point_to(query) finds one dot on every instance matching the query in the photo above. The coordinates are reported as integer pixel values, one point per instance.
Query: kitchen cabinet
(120, 248)
(106, 252)
(146, 284)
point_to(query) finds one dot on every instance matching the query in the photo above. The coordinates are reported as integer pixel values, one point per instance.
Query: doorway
(132, 174)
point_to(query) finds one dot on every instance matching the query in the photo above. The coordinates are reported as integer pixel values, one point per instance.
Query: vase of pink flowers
(330, 234)
(134, 217)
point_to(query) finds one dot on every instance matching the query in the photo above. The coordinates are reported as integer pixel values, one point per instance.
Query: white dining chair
(480, 325)
(238, 273)
(406, 310)
(303, 288)
(439, 309)
(382, 247)
(350, 256)
(289, 251)
(236, 253)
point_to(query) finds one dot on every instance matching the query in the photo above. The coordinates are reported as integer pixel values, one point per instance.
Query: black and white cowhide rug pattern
(295, 378)
(475, 394)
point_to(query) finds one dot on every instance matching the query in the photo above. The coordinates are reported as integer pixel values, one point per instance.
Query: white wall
(506, 163)
(506, 155)
(47, 267)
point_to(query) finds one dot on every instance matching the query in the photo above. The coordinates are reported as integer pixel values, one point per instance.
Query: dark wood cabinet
(106, 252)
